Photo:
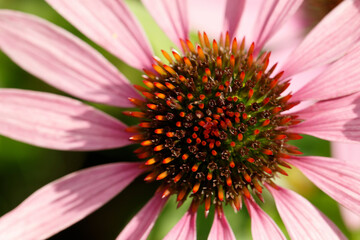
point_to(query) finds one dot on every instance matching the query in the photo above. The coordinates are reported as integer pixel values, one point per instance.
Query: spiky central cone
(212, 123)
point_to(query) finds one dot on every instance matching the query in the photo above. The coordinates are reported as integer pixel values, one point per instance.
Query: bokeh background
(24, 168)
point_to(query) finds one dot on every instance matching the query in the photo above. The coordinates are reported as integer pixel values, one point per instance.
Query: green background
(24, 168)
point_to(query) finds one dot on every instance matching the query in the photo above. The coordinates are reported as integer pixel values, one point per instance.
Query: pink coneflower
(214, 121)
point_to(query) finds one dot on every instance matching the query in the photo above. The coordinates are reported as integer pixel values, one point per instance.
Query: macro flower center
(212, 125)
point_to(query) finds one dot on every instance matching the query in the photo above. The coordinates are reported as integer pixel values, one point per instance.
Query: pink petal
(232, 16)
(249, 20)
(302, 219)
(110, 24)
(289, 35)
(329, 40)
(338, 179)
(185, 229)
(272, 15)
(327, 84)
(62, 60)
(140, 226)
(328, 105)
(215, 17)
(172, 17)
(221, 228)
(262, 226)
(334, 120)
(298, 81)
(347, 152)
(56, 122)
(66, 201)
(207, 15)
(351, 220)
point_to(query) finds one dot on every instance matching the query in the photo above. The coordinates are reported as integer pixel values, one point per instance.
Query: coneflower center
(212, 126)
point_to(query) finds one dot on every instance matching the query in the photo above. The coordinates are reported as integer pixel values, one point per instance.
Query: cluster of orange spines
(210, 123)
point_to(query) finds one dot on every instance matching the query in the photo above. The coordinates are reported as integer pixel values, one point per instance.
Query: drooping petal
(338, 179)
(221, 228)
(273, 14)
(140, 226)
(339, 79)
(262, 226)
(185, 229)
(66, 201)
(329, 40)
(62, 60)
(171, 16)
(232, 16)
(301, 218)
(110, 24)
(334, 120)
(56, 122)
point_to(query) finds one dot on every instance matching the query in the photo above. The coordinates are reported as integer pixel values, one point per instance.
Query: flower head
(212, 122)
(215, 120)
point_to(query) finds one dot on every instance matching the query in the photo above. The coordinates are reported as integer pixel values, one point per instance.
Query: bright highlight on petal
(56, 122)
(141, 224)
(262, 226)
(209, 20)
(301, 218)
(66, 201)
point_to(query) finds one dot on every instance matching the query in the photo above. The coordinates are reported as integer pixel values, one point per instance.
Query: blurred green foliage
(24, 168)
